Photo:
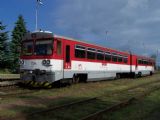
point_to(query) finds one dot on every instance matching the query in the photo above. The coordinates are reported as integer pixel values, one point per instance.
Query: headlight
(46, 62)
(21, 62)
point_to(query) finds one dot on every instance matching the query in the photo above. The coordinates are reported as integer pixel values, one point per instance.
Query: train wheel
(135, 76)
(56, 84)
(75, 79)
(70, 81)
(139, 74)
(78, 79)
(118, 76)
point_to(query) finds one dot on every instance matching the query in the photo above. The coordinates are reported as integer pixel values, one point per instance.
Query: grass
(79, 111)
(9, 75)
(5, 71)
(43, 99)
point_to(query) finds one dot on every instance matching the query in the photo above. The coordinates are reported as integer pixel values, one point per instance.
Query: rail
(98, 115)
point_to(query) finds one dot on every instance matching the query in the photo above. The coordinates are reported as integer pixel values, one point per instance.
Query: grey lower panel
(92, 75)
(52, 76)
(40, 76)
(95, 76)
(145, 72)
(58, 75)
(100, 79)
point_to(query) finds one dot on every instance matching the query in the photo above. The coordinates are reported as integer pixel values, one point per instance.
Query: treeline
(10, 47)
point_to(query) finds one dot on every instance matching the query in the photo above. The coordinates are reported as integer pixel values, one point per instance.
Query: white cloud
(134, 4)
(128, 22)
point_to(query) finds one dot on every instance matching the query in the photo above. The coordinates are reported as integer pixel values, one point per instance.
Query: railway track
(108, 109)
(5, 95)
(8, 89)
(99, 114)
(5, 90)
(9, 83)
(8, 80)
(14, 91)
(134, 87)
(65, 105)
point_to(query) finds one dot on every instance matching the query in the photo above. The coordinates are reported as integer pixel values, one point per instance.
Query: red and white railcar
(49, 57)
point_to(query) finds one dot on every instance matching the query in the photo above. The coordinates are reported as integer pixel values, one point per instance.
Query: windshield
(43, 47)
(27, 48)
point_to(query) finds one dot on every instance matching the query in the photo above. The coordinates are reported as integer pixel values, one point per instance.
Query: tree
(17, 34)
(3, 46)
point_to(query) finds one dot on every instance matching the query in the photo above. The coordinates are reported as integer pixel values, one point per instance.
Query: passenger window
(107, 56)
(125, 60)
(114, 57)
(100, 55)
(139, 62)
(80, 52)
(119, 58)
(91, 53)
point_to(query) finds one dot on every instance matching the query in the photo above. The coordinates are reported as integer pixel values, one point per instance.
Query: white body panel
(93, 66)
(92, 69)
(37, 64)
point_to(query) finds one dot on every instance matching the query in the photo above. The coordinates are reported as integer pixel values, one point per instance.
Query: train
(47, 59)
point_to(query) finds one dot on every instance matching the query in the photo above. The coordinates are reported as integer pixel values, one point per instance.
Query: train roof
(47, 34)
(86, 42)
(83, 41)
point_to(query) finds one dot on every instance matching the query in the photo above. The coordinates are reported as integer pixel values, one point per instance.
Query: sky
(128, 25)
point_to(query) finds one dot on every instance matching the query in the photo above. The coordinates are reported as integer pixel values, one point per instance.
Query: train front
(36, 61)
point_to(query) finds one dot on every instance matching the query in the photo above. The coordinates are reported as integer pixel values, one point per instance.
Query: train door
(67, 57)
(136, 64)
(131, 60)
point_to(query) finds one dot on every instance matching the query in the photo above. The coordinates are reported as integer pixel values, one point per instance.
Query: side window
(91, 53)
(119, 58)
(59, 47)
(114, 57)
(125, 59)
(146, 62)
(100, 55)
(139, 62)
(80, 51)
(107, 56)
